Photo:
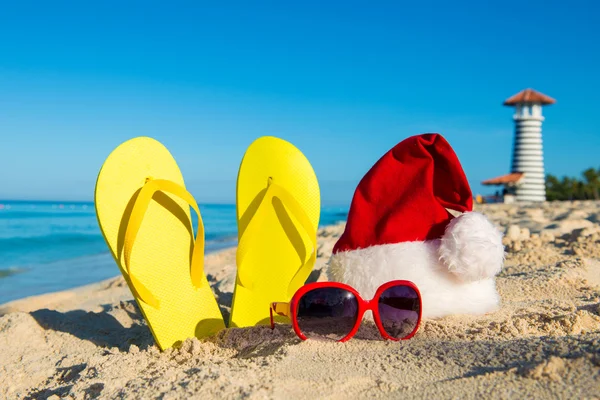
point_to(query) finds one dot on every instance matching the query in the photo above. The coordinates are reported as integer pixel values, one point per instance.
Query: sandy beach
(544, 342)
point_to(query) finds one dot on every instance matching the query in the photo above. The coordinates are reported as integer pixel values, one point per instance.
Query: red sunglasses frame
(290, 309)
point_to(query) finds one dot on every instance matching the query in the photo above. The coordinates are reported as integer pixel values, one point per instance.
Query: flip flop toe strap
(251, 233)
(135, 222)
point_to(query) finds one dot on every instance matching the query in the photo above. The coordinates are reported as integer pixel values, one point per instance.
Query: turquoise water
(51, 246)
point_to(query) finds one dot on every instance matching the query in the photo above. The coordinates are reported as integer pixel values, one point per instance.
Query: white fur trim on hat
(445, 270)
(472, 247)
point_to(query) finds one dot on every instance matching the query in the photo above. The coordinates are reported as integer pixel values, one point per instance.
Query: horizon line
(4, 201)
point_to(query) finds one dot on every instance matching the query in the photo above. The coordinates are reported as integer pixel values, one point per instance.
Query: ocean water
(52, 246)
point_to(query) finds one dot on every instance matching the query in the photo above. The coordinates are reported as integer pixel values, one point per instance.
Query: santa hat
(399, 228)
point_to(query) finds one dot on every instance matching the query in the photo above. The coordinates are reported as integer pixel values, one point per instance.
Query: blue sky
(343, 81)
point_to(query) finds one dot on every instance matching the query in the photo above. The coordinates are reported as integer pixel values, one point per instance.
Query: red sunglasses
(334, 311)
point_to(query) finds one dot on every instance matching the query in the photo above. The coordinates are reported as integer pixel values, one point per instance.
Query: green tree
(554, 189)
(592, 178)
(569, 188)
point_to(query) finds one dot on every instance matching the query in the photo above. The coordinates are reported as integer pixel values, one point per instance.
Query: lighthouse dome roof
(529, 96)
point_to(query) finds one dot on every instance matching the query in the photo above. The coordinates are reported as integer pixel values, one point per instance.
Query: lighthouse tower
(528, 156)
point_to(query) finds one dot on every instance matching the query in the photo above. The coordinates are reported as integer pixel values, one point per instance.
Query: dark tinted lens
(399, 311)
(328, 313)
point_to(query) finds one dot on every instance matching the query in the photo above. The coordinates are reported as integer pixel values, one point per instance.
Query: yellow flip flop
(278, 210)
(143, 210)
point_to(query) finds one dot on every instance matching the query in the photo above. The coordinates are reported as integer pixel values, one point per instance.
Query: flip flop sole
(274, 254)
(162, 251)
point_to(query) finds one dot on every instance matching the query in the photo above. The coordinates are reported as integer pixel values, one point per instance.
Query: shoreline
(212, 250)
(86, 296)
(83, 293)
(47, 251)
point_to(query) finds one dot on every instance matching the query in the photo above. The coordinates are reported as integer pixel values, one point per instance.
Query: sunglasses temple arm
(280, 308)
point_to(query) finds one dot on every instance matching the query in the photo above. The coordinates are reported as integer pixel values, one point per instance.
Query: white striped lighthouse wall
(528, 156)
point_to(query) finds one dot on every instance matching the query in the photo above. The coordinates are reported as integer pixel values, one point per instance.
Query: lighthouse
(526, 182)
(528, 154)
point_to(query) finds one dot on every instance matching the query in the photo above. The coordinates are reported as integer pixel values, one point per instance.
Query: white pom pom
(472, 247)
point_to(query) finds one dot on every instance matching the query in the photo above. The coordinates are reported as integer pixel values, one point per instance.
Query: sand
(544, 342)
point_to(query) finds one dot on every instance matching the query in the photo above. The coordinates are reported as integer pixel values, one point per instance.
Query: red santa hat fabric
(404, 197)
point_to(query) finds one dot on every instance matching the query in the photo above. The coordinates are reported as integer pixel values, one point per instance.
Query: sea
(49, 246)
